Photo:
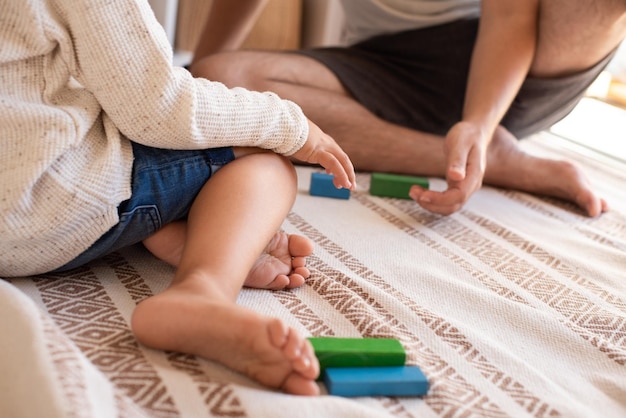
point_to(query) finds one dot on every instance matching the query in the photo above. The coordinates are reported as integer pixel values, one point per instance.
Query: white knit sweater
(78, 79)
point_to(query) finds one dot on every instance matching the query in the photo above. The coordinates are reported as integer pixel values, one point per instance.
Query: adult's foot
(510, 167)
(282, 264)
(263, 348)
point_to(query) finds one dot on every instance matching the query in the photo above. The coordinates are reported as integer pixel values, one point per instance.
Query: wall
(284, 24)
(279, 26)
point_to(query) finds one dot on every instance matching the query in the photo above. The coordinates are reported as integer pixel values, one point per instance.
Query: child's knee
(281, 168)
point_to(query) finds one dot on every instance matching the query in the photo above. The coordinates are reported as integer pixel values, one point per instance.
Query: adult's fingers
(443, 203)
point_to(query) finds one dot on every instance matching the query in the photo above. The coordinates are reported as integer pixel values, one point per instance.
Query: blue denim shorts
(164, 185)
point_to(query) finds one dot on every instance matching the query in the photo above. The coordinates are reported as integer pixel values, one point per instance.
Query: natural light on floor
(597, 125)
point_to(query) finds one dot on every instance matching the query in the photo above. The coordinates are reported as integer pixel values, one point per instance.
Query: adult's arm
(502, 56)
(227, 26)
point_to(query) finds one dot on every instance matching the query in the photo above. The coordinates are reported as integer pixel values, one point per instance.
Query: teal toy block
(322, 185)
(357, 352)
(376, 381)
(394, 185)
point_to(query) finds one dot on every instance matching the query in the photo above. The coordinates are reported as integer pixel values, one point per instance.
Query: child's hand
(321, 149)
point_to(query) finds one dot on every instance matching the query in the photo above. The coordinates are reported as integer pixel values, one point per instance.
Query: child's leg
(230, 223)
(168, 242)
(281, 265)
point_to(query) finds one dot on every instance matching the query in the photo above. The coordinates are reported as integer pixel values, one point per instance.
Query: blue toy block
(322, 185)
(376, 381)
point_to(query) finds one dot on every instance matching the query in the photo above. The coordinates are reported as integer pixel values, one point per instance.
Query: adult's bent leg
(376, 145)
(372, 143)
(510, 167)
(572, 38)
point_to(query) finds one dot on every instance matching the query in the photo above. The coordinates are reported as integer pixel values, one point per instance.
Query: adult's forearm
(502, 56)
(227, 25)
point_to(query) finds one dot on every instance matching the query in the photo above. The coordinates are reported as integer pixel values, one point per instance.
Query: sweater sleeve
(124, 58)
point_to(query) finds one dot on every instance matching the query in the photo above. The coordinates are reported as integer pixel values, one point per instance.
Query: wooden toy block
(394, 185)
(322, 185)
(376, 381)
(357, 352)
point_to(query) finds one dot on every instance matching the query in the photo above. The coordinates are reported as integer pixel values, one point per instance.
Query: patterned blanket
(513, 307)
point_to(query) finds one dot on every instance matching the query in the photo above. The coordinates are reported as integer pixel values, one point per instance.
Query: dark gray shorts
(417, 79)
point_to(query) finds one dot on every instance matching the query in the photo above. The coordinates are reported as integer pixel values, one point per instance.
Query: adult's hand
(465, 148)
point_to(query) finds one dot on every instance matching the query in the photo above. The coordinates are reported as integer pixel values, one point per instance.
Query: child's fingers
(347, 167)
(322, 149)
(343, 177)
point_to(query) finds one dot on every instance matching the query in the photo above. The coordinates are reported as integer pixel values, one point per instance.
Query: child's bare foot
(263, 348)
(510, 167)
(282, 264)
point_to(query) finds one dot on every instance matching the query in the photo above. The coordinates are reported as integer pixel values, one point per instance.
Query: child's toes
(298, 262)
(295, 280)
(298, 385)
(302, 271)
(280, 282)
(311, 367)
(300, 246)
(293, 346)
(278, 333)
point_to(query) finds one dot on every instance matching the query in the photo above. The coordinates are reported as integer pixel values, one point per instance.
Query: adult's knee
(234, 69)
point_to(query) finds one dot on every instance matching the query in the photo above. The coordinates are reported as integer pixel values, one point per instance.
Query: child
(106, 144)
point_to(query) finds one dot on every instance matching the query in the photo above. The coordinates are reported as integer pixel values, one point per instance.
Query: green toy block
(395, 185)
(357, 352)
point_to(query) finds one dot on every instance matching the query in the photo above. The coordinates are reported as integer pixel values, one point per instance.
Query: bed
(513, 307)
